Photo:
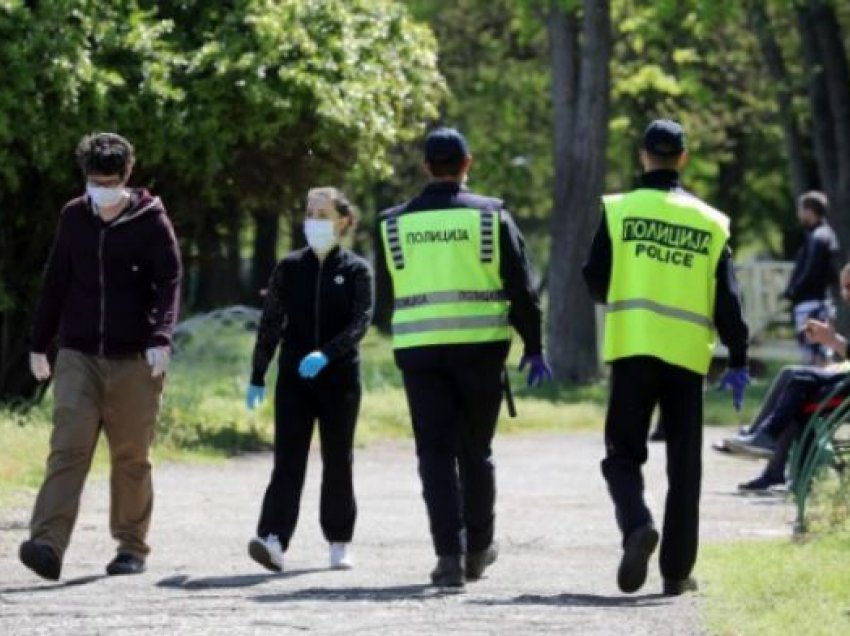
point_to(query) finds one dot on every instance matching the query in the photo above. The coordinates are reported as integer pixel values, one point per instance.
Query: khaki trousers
(90, 393)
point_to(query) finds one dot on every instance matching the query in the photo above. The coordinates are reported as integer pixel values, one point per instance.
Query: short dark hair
(815, 201)
(104, 153)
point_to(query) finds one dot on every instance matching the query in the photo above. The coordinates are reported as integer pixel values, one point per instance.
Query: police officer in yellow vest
(460, 280)
(660, 261)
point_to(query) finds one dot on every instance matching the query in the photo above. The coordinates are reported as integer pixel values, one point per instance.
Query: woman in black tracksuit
(318, 306)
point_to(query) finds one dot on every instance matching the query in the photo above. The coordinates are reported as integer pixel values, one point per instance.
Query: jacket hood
(142, 203)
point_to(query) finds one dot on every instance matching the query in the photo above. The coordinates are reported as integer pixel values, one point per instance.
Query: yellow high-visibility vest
(665, 249)
(444, 266)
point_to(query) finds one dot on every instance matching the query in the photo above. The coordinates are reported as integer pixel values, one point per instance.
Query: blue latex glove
(539, 370)
(312, 364)
(737, 380)
(255, 396)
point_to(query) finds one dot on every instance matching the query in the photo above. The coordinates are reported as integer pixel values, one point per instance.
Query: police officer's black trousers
(332, 398)
(637, 385)
(454, 394)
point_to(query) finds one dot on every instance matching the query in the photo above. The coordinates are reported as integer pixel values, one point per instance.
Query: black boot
(639, 546)
(677, 588)
(449, 571)
(477, 562)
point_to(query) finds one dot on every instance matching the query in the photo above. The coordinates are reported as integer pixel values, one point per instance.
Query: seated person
(783, 417)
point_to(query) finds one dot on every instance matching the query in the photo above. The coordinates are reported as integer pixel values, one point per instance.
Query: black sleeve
(269, 331)
(383, 283)
(516, 272)
(729, 312)
(57, 280)
(361, 314)
(597, 268)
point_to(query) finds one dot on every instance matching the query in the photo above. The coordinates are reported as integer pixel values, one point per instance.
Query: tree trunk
(819, 107)
(264, 256)
(836, 75)
(798, 166)
(580, 93)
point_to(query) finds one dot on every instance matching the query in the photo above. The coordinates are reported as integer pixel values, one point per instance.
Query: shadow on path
(579, 600)
(348, 594)
(184, 582)
(51, 587)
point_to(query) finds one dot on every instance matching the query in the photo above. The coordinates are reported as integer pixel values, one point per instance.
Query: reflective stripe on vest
(436, 298)
(444, 266)
(665, 250)
(662, 310)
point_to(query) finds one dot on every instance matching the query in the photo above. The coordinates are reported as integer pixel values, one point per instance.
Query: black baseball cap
(664, 138)
(445, 145)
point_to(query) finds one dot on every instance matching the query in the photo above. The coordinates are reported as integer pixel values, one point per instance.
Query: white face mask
(105, 197)
(320, 234)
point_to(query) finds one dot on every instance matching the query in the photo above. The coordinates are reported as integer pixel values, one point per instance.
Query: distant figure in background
(111, 291)
(318, 308)
(815, 271)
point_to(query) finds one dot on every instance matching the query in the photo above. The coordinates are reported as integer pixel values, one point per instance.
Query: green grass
(204, 415)
(777, 587)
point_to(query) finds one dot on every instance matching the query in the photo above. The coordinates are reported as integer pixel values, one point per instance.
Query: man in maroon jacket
(111, 291)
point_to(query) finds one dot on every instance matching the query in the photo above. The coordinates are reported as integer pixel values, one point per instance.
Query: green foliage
(233, 107)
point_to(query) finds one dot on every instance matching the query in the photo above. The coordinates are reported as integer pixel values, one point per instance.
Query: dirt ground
(556, 572)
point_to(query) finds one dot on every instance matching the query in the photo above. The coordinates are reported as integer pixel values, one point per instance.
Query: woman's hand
(312, 364)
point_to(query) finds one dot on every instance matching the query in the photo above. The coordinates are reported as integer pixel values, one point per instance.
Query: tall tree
(580, 40)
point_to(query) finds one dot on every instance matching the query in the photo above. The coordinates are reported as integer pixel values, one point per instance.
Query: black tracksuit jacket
(314, 306)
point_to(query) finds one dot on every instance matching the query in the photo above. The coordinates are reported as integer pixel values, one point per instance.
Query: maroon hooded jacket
(110, 289)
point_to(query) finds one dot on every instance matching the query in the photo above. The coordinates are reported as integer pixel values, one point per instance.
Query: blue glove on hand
(538, 369)
(255, 396)
(737, 380)
(312, 364)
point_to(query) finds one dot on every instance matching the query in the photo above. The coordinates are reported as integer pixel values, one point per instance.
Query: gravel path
(556, 573)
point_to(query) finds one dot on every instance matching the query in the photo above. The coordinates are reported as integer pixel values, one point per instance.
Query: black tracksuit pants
(332, 398)
(454, 394)
(638, 384)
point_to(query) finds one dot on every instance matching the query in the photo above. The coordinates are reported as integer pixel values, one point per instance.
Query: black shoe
(639, 546)
(449, 571)
(677, 588)
(125, 564)
(41, 559)
(762, 483)
(477, 562)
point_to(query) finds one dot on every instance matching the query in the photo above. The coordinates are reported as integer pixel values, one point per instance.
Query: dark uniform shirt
(728, 312)
(514, 266)
(314, 305)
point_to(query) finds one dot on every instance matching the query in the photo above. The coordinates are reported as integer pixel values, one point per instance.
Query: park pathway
(556, 573)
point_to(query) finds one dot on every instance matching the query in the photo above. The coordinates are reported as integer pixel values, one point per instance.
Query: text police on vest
(666, 242)
(437, 236)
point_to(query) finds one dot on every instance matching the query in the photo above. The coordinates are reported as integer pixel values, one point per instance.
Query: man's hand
(539, 370)
(158, 358)
(820, 332)
(737, 380)
(39, 366)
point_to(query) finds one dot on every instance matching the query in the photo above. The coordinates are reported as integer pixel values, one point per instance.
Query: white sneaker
(341, 556)
(267, 552)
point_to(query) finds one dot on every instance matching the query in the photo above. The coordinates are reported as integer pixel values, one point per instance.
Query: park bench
(823, 443)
